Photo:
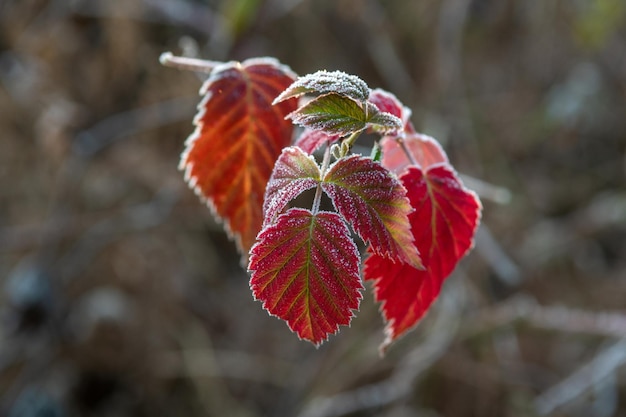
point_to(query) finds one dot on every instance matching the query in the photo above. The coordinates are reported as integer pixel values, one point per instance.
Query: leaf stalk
(318, 191)
(406, 151)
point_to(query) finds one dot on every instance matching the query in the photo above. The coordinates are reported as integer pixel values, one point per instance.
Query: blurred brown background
(121, 296)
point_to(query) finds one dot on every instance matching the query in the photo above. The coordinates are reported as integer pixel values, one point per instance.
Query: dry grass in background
(123, 297)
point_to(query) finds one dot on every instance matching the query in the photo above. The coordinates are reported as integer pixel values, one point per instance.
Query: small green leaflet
(384, 123)
(336, 114)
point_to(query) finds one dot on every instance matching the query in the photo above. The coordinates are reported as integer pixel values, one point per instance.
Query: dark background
(121, 296)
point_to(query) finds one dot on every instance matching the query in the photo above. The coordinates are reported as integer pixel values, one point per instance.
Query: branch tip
(165, 58)
(192, 64)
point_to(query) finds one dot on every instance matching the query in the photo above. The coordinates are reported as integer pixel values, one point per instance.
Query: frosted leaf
(374, 202)
(335, 114)
(323, 82)
(389, 103)
(311, 139)
(425, 151)
(331, 113)
(383, 122)
(294, 173)
(305, 270)
(228, 159)
(443, 223)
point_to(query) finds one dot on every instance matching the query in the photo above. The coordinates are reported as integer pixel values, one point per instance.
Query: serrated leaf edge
(297, 118)
(300, 88)
(317, 179)
(390, 323)
(360, 289)
(385, 254)
(187, 168)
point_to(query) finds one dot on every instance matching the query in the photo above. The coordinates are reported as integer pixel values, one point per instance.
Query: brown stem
(407, 152)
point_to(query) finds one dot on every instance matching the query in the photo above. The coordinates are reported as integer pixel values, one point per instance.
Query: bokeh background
(121, 296)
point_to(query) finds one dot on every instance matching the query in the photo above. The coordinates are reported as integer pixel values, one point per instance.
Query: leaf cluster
(405, 202)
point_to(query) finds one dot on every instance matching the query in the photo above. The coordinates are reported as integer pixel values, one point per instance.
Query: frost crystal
(323, 82)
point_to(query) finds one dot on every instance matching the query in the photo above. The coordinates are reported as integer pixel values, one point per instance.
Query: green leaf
(336, 114)
(331, 113)
(383, 122)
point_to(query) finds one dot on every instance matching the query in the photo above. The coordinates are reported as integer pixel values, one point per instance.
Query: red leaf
(311, 139)
(424, 150)
(387, 102)
(305, 270)
(239, 134)
(444, 222)
(374, 202)
(294, 173)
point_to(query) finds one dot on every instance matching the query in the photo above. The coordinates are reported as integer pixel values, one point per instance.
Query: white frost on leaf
(383, 122)
(323, 82)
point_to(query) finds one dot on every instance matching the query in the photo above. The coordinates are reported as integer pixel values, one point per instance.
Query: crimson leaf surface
(305, 270)
(444, 222)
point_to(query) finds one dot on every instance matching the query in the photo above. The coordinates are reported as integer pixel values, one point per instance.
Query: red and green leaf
(294, 173)
(305, 270)
(387, 102)
(239, 134)
(323, 82)
(444, 223)
(373, 201)
(424, 150)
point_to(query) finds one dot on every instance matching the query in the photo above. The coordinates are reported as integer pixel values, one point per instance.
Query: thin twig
(488, 191)
(192, 64)
(400, 384)
(556, 318)
(500, 262)
(384, 54)
(599, 368)
(127, 123)
(406, 151)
